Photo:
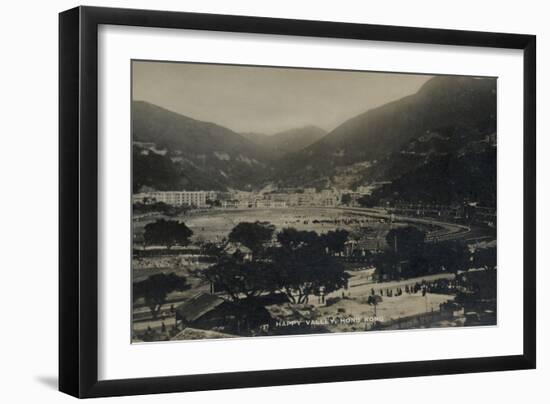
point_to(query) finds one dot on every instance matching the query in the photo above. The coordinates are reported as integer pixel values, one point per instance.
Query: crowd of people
(442, 286)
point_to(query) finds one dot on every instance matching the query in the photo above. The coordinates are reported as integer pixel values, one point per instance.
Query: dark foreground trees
(253, 235)
(346, 199)
(160, 207)
(367, 201)
(405, 241)
(409, 256)
(155, 289)
(304, 264)
(167, 233)
(301, 265)
(334, 240)
(448, 256)
(485, 257)
(238, 275)
(239, 278)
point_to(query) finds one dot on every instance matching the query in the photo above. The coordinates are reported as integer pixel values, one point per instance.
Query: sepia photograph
(275, 201)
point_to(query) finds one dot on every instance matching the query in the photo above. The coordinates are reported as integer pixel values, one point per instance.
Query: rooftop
(197, 306)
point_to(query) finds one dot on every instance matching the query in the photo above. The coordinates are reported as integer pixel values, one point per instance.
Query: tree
(172, 210)
(485, 257)
(239, 279)
(252, 235)
(213, 250)
(290, 238)
(243, 282)
(302, 267)
(299, 267)
(335, 240)
(150, 206)
(156, 288)
(346, 199)
(167, 232)
(406, 241)
(450, 256)
(404, 256)
(388, 265)
(367, 201)
(214, 203)
(478, 286)
(161, 207)
(408, 256)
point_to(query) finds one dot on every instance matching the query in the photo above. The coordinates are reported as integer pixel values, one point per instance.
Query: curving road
(446, 231)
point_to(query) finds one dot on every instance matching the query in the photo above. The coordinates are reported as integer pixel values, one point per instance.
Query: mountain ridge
(438, 131)
(440, 102)
(191, 154)
(287, 141)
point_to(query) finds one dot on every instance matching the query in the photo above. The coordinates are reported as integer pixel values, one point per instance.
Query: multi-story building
(230, 204)
(176, 198)
(300, 199)
(329, 201)
(211, 195)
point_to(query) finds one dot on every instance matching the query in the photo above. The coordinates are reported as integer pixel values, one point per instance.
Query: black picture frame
(78, 196)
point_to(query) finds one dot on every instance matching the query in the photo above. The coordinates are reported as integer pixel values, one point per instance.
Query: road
(363, 289)
(446, 231)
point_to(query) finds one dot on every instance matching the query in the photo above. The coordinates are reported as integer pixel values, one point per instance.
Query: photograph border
(78, 200)
(218, 64)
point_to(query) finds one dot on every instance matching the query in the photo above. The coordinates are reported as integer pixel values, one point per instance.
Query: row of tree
(160, 207)
(299, 264)
(409, 255)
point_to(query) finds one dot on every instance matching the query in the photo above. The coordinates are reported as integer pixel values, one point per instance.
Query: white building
(234, 204)
(176, 198)
(365, 189)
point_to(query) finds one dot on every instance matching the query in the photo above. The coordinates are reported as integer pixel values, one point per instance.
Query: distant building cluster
(281, 199)
(235, 199)
(361, 191)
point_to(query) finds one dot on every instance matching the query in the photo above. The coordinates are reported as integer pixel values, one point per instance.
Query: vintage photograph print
(272, 201)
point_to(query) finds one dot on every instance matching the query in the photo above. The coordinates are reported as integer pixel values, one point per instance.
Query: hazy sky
(267, 100)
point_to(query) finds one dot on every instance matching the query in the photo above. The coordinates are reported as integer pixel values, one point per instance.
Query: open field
(320, 220)
(344, 310)
(215, 224)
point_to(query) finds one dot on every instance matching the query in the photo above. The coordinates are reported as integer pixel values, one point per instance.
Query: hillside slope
(289, 141)
(172, 151)
(458, 103)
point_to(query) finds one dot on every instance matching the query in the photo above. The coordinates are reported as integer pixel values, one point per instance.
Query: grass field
(348, 309)
(216, 224)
